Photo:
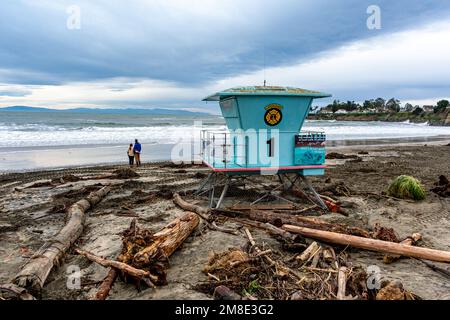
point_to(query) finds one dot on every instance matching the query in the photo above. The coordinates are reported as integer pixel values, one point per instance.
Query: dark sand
(26, 220)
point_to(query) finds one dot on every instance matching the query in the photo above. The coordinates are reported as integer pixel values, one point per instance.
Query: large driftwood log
(168, 239)
(279, 219)
(33, 274)
(371, 244)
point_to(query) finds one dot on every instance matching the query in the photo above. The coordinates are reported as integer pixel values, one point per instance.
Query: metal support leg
(211, 197)
(203, 184)
(224, 192)
(317, 197)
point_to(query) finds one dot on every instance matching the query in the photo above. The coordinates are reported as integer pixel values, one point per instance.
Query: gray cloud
(187, 43)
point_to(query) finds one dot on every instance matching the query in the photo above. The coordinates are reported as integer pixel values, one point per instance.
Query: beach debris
(335, 189)
(384, 233)
(144, 253)
(63, 201)
(138, 274)
(371, 244)
(406, 187)
(342, 284)
(309, 252)
(106, 285)
(121, 173)
(278, 219)
(337, 155)
(66, 178)
(442, 187)
(409, 241)
(11, 291)
(34, 273)
(202, 213)
(264, 274)
(125, 173)
(439, 270)
(393, 290)
(162, 244)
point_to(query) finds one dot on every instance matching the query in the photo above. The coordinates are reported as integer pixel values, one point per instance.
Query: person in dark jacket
(137, 149)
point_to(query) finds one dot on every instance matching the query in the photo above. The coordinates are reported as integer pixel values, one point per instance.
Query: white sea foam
(29, 135)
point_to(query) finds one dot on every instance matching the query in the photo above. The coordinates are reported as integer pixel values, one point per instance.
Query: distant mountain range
(107, 111)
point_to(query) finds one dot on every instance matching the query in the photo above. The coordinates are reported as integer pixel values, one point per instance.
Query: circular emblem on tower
(273, 115)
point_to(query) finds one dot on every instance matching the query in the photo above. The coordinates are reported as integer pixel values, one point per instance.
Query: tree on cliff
(393, 105)
(418, 111)
(441, 106)
(409, 107)
(380, 104)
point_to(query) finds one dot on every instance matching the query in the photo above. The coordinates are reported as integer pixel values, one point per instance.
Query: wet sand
(28, 218)
(41, 158)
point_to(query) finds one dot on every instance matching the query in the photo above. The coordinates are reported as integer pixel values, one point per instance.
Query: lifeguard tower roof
(266, 91)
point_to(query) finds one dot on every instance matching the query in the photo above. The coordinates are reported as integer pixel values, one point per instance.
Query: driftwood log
(105, 287)
(271, 229)
(310, 251)
(202, 212)
(371, 244)
(278, 219)
(342, 283)
(32, 276)
(168, 239)
(146, 276)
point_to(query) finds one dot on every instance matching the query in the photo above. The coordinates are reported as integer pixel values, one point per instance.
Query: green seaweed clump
(406, 187)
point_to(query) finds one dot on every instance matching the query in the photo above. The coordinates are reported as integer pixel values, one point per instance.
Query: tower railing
(220, 148)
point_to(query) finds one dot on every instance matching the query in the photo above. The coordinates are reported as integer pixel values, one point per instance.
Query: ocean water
(24, 129)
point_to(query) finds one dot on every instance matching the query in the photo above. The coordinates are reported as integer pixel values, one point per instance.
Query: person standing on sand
(137, 152)
(130, 154)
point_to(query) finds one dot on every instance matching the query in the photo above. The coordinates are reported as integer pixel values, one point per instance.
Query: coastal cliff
(435, 119)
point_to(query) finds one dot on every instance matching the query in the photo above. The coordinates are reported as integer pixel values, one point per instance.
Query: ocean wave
(29, 135)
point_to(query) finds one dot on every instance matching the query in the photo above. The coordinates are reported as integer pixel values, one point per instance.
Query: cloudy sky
(172, 53)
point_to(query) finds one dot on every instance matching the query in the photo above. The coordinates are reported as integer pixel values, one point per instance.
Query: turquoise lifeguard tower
(263, 137)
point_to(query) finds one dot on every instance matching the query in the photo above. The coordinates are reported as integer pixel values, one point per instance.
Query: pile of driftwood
(251, 273)
(260, 275)
(144, 254)
(254, 273)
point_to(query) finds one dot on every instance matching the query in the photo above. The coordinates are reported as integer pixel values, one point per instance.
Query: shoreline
(96, 156)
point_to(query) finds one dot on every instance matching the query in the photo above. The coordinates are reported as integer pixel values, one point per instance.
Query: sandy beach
(30, 216)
